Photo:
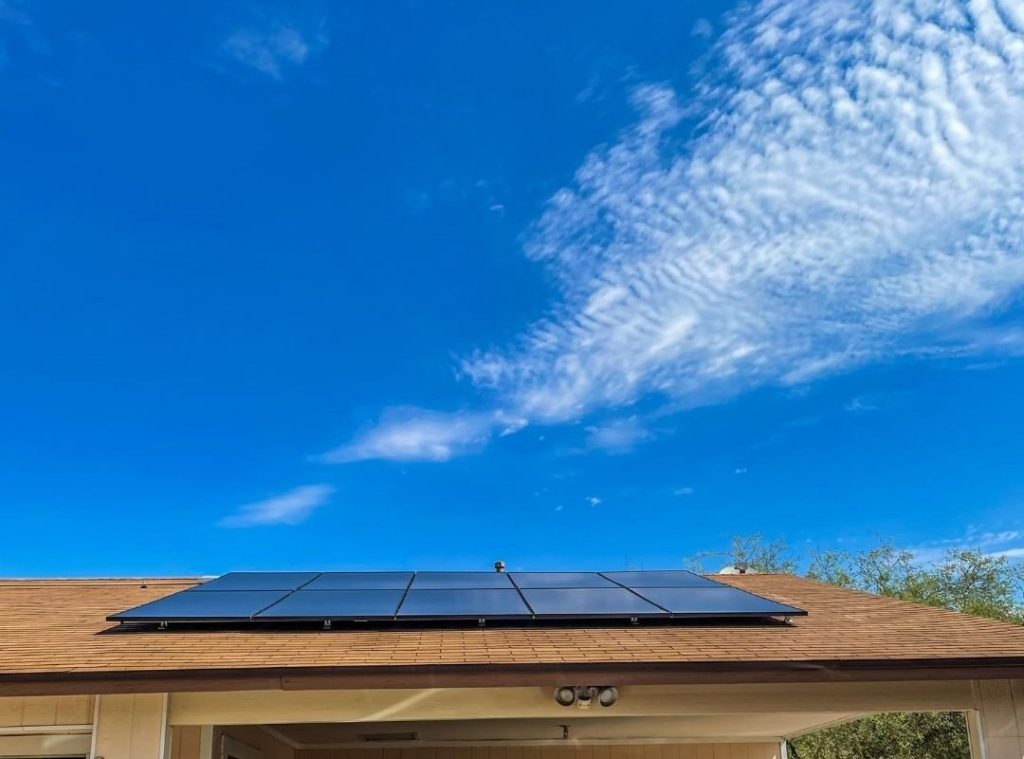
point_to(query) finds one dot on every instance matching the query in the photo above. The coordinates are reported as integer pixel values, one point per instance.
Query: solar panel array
(437, 596)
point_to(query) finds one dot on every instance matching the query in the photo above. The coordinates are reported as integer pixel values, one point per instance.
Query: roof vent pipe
(499, 566)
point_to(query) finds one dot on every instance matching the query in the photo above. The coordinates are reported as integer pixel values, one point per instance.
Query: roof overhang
(508, 675)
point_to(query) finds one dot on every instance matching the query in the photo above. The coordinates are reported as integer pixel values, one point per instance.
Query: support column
(130, 727)
(997, 730)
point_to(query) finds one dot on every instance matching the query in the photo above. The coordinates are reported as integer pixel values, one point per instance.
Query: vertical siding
(635, 751)
(1000, 705)
(131, 727)
(46, 710)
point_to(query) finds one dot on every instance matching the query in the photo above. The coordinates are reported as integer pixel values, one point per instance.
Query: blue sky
(425, 285)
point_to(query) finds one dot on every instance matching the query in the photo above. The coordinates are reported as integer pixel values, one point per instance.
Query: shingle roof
(52, 629)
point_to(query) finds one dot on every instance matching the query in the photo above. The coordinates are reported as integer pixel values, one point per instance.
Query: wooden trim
(46, 730)
(507, 675)
(44, 745)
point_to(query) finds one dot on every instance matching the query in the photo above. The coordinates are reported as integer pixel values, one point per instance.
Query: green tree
(967, 581)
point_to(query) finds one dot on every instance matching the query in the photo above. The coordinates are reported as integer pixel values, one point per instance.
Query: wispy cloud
(1007, 543)
(617, 435)
(14, 13)
(702, 28)
(414, 434)
(293, 507)
(853, 194)
(273, 47)
(18, 30)
(860, 405)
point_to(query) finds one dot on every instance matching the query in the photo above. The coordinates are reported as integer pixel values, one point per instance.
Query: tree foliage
(893, 736)
(967, 581)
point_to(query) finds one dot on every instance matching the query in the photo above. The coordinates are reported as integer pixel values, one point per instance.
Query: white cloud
(414, 434)
(860, 404)
(593, 500)
(293, 507)
(702, 28)
(854, 193)
(1010, 553)
(273, 47)
(683, 491)
(617, 435)
(1006, 543)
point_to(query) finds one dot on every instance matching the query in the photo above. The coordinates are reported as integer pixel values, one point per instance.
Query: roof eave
(508, 675)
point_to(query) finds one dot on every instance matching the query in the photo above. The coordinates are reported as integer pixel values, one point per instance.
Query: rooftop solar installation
(436, 598)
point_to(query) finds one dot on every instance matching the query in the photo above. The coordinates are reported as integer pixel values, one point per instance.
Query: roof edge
(521, 675)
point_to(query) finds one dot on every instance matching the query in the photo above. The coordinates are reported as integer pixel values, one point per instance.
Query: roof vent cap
(737, 569)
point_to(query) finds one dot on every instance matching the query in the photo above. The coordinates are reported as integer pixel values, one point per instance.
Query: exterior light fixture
(565, 696)
(608, 696)
(585, 695)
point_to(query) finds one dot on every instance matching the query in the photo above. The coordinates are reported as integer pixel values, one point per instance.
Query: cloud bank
(854, 193)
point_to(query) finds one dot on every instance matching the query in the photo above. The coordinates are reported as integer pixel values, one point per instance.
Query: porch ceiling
(542, 732)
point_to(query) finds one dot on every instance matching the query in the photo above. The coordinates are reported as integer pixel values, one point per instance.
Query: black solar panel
(460, 580)
(252, 597)
(474, 603)
(258, 581)
(560, 580)
(336, 604)
(588, 602)
(672, 578)
(360, 581)
(210, 605)
(714, 601)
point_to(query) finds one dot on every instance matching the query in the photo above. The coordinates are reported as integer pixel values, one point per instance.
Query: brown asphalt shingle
(51, 627)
